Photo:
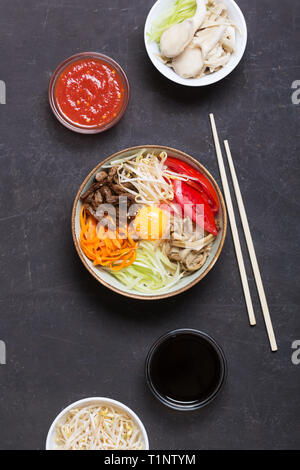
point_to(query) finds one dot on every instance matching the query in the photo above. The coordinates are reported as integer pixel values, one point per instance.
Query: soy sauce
(185, 369)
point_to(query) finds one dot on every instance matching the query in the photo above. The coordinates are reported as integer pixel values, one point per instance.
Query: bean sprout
(98, 428)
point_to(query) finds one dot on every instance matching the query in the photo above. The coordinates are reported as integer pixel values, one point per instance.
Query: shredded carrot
(104, 247)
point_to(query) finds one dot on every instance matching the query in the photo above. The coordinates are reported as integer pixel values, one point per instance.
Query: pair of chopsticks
(248, 237)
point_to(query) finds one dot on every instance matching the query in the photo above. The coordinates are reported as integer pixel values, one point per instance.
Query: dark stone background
(67, 337)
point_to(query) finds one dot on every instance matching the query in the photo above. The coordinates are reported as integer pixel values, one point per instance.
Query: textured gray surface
(68, 337)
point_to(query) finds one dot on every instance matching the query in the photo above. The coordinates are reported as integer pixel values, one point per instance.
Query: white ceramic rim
(207, 79)
(98, 400)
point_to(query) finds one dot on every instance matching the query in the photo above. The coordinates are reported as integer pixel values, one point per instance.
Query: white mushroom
(208, 38)
(194, 260)
(196, 245)
(191, 61)
(176, 38)
(217, 58)
(228, 41)
(187, 245)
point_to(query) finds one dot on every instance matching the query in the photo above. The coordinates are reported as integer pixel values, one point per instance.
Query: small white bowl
(99, 401)
(152, 48)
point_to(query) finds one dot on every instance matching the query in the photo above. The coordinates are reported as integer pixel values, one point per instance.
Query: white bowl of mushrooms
(195, 43)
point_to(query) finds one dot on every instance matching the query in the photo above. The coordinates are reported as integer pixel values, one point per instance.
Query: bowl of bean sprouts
(97, 423)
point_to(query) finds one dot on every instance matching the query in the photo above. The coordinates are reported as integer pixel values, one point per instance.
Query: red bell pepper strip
(189, 199)
(201, 183)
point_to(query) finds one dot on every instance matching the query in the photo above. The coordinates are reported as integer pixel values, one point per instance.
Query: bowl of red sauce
(89, 92)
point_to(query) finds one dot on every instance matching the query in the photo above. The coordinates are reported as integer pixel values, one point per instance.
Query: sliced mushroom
(196, 245)
(175, 253)
(166, 248)
(208, 38)
(195, 260)
(176, 38)
(228, 41)
(190, 62)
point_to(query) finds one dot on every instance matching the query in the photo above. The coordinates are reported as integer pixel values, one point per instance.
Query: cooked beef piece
(101, 176)
(94, 200)
(116, 188)
(91, 190)
(117, 216)
(122, 192)
(130, 197)
(108, 196)
(105, 191)
(92, 211)
(91, 202)
(113, 200)
(89, 198)
(112, 173)
(128, 185)
(98, 197)
(116, 179)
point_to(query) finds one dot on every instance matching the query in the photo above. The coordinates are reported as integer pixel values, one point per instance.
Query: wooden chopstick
(252, 254)
(234, 230)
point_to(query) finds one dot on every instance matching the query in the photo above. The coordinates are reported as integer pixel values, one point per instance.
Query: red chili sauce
(89, 93)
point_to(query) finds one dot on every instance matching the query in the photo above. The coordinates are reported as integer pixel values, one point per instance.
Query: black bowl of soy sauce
(186, 369)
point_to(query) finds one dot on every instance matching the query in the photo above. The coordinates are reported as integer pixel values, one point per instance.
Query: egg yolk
(150, 223)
